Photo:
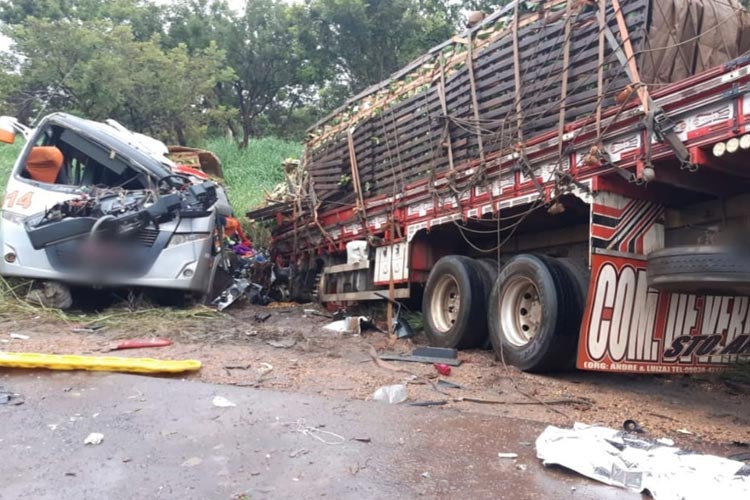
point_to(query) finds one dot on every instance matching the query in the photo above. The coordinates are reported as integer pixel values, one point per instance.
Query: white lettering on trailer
(617, 147)
(623, 316)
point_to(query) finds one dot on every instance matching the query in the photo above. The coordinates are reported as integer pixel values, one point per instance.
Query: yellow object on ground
(96, 363)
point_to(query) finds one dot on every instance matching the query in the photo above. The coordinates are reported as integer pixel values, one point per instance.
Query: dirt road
(164, 438)
(288, 368)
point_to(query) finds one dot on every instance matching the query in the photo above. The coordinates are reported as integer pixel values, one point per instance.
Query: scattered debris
(683, 431)
(435, 352)
(442, 369)
(52, 294)
(88, 328)
(426, 475)
(237, 367)
(315, 312)
(351, 325)
(94, 438)
(391, 394)
(448, 384)
(521, 467)
(419, 359)
(314, 432)
(632, 426)
(141, 343)
(222, 402)
(262, 317)
(231, 294)
(96, 363)
(362, 439)
(299, 453)
(621, 459)
(282, 344)
(19, 336)
(429, 403)
(507, 455)
(665, 441)
(264, 368)
(10, 398)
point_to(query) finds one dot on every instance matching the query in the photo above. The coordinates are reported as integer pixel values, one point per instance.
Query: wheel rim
(445, 306)
(520, 311)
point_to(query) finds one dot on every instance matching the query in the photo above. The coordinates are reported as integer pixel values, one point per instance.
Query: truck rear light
(719, 149)
(745, 141)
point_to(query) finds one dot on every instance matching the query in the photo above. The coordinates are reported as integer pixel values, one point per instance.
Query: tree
(370, 40)
(100, 71)
(270, 64)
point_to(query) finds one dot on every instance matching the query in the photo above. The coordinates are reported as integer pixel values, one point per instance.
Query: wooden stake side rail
(409, 132)
(694, 95)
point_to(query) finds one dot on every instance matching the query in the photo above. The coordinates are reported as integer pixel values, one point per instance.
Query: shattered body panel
(91, 203)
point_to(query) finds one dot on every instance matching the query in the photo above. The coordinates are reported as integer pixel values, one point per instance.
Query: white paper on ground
(620, 459)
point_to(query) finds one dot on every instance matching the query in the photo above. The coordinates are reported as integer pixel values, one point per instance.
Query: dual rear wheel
(531, 309)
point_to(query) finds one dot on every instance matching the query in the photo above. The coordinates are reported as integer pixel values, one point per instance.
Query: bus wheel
(535, 314)
(454, 304)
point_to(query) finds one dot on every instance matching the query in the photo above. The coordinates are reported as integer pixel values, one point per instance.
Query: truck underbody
(533, 187)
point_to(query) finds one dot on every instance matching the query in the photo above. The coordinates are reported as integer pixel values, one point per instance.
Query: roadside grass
(251, 171)
(8, 154)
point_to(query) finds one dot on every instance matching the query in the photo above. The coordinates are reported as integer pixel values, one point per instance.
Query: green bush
(248, 172)
(8, 154)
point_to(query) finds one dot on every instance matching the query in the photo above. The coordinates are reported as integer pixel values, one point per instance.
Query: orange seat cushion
(44, 163)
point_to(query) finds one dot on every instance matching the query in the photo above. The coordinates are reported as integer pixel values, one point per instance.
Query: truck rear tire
(454, 304)
(705, 268)
(535, 314)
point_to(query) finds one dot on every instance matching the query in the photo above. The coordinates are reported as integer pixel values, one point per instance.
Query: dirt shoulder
(237, 349)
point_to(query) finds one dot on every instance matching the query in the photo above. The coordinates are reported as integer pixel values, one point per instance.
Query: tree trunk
(247, 132)
(180, 131)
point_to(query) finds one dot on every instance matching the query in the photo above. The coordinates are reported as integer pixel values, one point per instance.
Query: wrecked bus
(94, 204)
(566, 179)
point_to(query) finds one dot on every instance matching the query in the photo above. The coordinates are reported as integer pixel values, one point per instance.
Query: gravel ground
(702, 412)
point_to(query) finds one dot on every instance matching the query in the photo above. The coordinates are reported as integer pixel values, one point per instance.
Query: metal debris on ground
(623, 459)
(429, 403)
(94, 438)
(222, 402)
(391, 394)
(448, 384)
(19, 336)
(231, 294)
(419, 359)
(436, 352)
(10, 398)
(262, 317)
(507, 455)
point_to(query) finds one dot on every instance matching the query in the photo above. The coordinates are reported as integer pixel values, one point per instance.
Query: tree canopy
(191, 68)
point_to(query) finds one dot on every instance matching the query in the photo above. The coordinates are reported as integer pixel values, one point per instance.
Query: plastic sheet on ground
(628, 461)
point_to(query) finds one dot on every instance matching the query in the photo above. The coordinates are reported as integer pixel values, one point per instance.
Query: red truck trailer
(568, 179)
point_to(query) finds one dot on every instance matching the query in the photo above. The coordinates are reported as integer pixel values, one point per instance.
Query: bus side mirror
(7, 129)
